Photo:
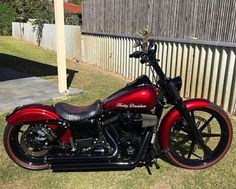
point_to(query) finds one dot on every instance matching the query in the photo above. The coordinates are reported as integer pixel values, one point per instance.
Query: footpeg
(154, 161)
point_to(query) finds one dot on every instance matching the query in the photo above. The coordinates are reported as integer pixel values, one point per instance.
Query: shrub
(7, 16)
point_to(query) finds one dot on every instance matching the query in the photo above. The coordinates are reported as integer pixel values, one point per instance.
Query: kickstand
(156, 165)
(148, 170)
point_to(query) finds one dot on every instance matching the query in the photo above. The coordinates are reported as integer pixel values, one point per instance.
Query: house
(73, 14)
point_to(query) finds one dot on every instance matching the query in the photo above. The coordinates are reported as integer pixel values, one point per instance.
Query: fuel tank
(138, 97)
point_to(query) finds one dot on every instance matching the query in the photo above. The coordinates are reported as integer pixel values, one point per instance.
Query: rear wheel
(25, 145)
(216, 131)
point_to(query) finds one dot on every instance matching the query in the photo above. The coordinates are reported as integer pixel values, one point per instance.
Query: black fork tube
(178, 102)
(157, 68)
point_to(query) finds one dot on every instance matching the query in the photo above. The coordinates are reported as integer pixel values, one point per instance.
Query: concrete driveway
(18, 89)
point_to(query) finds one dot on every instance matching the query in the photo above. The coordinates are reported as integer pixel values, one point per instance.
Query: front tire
(23, 155)
(216, 130)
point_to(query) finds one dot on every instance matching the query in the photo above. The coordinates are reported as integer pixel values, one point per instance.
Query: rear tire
(216, 130)
(18, 152)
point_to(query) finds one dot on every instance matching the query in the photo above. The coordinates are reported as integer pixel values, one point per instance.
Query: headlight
(178, 82)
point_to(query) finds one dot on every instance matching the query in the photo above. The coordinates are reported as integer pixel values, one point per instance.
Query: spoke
(198, 123)
(182, 128)
(196, 155)
(206, 123)
(179, 136)
(191, 149)
(180, 150)
(179, 146)
(21, 131)
(210, 135)
(206, 149)
(182, 141)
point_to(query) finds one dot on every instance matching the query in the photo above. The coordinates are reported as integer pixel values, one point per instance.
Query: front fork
(184, 112)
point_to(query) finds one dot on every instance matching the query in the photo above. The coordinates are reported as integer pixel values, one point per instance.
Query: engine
(122, 131)
(128, 131)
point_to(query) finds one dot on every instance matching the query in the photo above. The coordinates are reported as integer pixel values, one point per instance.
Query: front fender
(32, 112)
(174, 115)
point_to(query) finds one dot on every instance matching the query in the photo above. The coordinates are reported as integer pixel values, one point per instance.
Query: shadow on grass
(12, 67)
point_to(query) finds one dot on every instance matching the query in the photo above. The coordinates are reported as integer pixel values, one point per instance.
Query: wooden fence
(208, 70)
(211, 20)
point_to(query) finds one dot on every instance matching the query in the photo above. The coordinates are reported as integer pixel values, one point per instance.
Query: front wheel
(216, 130)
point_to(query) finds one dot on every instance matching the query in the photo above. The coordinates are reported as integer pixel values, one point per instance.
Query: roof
(72, 8)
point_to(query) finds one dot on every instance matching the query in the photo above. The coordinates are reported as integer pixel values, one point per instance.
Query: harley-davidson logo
(120, 105)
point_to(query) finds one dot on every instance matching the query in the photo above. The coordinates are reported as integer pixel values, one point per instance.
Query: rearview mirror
(137, 43)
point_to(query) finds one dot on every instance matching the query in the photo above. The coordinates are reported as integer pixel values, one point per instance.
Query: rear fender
(174, 115)
(32, 112)
(35, 113)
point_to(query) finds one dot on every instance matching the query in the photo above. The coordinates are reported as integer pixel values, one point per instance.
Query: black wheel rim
(18, 149)
(214, 131)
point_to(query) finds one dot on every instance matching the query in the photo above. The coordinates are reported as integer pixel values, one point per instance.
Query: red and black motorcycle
(123, 131)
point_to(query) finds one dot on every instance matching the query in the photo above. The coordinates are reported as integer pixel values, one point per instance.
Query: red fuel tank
(142, 97)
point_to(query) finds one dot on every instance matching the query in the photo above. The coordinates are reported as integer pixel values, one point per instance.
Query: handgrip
(136, 54)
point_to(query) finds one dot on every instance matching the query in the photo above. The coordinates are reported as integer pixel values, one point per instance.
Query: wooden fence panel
(208, 71)
(211, 20)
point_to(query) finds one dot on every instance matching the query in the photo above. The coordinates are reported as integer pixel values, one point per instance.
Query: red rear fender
(36, 112)
(174, 115)
(32, 112)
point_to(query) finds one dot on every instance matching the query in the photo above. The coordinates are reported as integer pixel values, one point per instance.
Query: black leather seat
(78, 113)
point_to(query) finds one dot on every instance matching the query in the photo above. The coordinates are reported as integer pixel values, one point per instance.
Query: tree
(29, 9)
(7, 16)
(7, 1)
(78, 2)
(42, 15)
(39, 11)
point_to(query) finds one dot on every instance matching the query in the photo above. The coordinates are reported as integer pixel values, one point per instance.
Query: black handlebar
(145, 55)
(149, 56)
(136, 54)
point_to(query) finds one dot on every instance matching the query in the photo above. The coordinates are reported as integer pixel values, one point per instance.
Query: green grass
(97, 83)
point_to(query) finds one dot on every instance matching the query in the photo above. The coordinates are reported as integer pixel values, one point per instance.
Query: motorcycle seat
(78, 113)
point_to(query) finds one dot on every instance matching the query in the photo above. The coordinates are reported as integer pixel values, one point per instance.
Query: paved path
(18, 89)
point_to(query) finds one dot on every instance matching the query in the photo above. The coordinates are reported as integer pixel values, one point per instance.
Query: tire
(215, 128)
(16, 152)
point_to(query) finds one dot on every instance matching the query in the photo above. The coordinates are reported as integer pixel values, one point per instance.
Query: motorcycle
(122, 132)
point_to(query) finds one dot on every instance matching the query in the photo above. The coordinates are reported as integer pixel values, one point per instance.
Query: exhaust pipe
(76, 159)
(94, 164)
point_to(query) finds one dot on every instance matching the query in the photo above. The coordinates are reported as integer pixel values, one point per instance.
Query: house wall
(25, 31)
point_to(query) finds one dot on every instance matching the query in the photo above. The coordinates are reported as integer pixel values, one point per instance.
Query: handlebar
(149, 56)
(145, 56)
(136, 54)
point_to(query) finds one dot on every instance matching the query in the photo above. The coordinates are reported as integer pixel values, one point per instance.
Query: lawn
(97, 83)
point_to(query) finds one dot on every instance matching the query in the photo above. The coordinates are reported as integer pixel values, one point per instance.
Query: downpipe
(103, 165)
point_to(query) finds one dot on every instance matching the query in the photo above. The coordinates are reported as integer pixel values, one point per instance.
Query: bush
(7, 16)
